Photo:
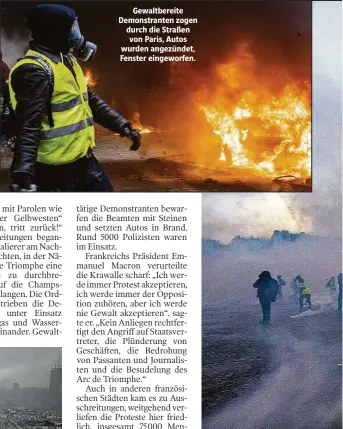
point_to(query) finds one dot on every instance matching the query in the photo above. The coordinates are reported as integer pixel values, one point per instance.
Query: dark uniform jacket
(267, 288)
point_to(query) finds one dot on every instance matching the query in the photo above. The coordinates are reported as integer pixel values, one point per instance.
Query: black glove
(22, 183)
(136, 139)
(134, 136)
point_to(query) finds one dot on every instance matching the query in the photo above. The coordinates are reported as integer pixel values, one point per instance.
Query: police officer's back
(267, 291)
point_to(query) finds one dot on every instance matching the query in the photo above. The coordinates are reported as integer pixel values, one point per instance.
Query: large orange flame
(264, 123)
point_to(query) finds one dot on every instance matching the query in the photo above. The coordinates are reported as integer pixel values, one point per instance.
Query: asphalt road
(285, 376)
(162, 164)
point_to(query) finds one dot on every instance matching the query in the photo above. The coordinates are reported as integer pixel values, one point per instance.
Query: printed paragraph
(133, 293)
(31, 270)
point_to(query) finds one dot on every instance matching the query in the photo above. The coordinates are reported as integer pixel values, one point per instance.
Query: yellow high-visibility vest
(306, 291)
(72, 134)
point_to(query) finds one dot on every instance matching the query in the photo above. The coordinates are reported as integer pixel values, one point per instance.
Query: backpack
(7, 115)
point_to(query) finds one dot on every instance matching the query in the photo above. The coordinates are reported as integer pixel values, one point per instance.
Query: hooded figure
(55, 110)
(298, 279)
(267, 291)
(57, 28)
(50, 26)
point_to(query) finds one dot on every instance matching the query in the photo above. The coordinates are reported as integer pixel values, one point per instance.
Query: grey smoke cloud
(230, 275)
(13, 46)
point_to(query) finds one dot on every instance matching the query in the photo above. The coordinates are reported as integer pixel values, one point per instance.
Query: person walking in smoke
(281, 283)
(296, 285)
(267, 291)
(302, 291)
(305, 297)
(55, 110)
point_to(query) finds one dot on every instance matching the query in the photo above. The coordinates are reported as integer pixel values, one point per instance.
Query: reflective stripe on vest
(60, 107)
(64, 131)
(73, 132)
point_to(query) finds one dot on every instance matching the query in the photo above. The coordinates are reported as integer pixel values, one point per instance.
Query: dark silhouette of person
(267, 291)
(339, 278)
(305, 297)
(296, 285)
